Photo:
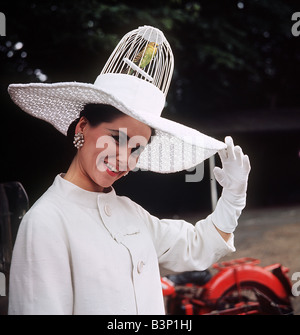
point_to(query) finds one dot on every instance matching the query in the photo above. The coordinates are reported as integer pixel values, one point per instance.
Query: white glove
(235, 169)
(233, 177)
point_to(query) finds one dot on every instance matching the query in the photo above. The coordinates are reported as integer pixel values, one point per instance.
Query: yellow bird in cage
(145, 56)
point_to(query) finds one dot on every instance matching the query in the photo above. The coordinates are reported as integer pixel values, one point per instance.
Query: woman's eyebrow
(120, 133)
(124, 135)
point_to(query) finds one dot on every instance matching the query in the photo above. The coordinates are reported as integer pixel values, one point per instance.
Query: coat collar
(81, 197)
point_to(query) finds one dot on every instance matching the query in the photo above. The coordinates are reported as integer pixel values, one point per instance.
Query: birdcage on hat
(146, 54)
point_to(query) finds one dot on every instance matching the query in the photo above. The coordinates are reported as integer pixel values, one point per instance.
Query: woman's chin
(105, 181)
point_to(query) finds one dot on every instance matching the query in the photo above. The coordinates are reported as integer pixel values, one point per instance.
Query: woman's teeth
(112, 168)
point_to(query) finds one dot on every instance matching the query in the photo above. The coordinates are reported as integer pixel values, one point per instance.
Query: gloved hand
(235, 169)
(233, 177)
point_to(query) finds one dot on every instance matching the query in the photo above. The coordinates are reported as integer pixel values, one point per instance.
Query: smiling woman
(112, 142)
(81, 248)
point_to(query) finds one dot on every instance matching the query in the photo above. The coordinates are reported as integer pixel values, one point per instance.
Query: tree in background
(228, 54)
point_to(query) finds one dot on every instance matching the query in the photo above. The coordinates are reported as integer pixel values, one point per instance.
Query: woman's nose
(123, 157)
(127, 159)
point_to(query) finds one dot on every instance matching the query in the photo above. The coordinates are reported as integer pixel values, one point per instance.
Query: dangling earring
(78, 140)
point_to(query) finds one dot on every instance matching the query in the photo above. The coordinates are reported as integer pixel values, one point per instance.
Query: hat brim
(175, 147)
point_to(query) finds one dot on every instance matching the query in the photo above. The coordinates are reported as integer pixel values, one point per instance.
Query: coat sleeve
(182, 246)
(40, 275)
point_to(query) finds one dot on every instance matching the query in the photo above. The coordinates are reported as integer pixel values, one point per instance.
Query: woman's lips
(111, 173)
(111, 170)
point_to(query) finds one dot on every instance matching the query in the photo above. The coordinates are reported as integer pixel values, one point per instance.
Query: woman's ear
(82, 123)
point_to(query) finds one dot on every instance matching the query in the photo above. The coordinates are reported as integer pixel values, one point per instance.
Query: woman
(81, 249)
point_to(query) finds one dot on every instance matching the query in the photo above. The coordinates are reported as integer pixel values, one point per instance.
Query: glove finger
(223, 154)
(219, 175)
(239, 154)
(230, 147)
(246, 163)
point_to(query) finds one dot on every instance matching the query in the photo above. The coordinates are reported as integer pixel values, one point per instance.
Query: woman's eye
(119, 140)
(116, 138)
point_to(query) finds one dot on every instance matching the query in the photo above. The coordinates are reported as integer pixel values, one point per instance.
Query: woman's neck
(78, 177)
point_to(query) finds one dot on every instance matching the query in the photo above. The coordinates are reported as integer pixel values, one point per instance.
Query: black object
(13, 205)
(191, 277)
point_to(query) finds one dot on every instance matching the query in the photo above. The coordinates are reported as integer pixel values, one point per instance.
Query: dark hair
(96, 114)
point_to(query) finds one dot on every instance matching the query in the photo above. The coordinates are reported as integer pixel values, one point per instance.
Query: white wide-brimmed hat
(135, 80)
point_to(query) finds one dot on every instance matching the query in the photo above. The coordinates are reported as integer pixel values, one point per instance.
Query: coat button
(140, 266)
(107, 210)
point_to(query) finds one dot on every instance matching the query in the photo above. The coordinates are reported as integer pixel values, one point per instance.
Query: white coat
(81, 252)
